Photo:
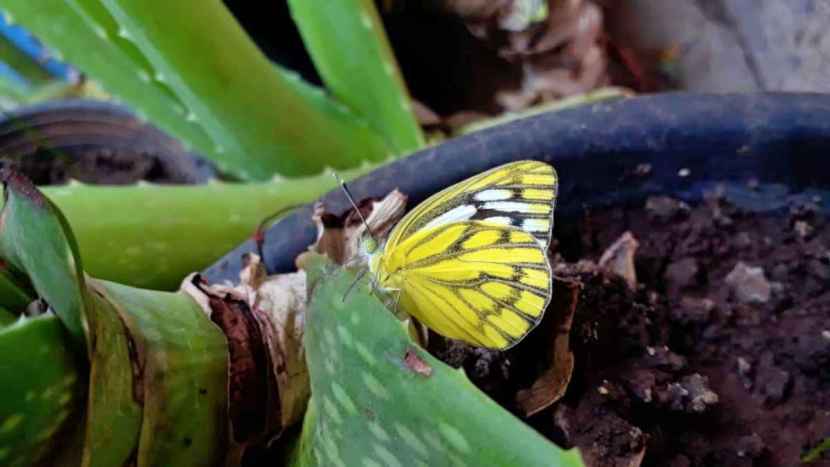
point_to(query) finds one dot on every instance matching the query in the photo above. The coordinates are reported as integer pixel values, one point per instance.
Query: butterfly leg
(395, 305)
(357, 279)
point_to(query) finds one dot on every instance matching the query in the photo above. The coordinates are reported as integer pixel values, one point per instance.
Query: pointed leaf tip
(19, 183)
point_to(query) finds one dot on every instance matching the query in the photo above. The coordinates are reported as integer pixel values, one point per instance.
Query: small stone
(775, 388)
(744, 367)
(780, 271)
(640, 383)
(700, 396)
(691, 394)
(663, 358)
(825, 334)
(750, 446)
(745, 372)
(774, 382)
(743, 240)
(803, 229)
(682, 274)
(642, 170)
(664, 208)
(694, 310)
(748, 284)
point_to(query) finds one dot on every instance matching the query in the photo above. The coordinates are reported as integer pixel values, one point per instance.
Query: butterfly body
(471, 261)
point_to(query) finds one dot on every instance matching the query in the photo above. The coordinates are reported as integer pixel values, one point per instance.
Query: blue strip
(32, 47)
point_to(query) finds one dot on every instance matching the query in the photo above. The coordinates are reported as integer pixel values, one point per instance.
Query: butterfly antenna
(354, 204)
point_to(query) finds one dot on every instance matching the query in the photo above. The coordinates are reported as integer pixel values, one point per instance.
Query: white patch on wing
(535, 225)
(507, 206)
(493, 195)
(456, 214)
(500, 220)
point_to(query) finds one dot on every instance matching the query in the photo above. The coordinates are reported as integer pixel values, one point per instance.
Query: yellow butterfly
(471, 261)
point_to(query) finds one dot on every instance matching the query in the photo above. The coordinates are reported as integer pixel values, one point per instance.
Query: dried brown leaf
(619, 259)
(552, 335)
(338, 237)
(263, 318)
(414, 362)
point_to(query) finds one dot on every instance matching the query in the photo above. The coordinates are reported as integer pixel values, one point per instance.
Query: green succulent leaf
(42, 391)
(35, 241)
(152, 236)
(379, 399)
(367, 78)
(14, 293)
(158, 369)
(176, 374)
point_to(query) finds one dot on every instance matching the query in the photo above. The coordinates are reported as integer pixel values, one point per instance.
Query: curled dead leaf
(263, 319)
(338, 237)
(619, 259)
(552, 336)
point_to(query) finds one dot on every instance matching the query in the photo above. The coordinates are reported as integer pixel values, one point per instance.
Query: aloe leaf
(195, 73)
(366, 78)
(380, 400)
(42, 390)
(182, 380)
(36, 241)
(152, 236)
(113, 408)
(157, 365)
(6, 318)
(69, 30)
(22, 64)
(14, 295)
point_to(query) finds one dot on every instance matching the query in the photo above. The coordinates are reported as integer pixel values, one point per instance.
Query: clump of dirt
(720, 354)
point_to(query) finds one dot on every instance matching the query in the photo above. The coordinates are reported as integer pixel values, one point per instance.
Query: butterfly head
(372, 253)
(369, 245)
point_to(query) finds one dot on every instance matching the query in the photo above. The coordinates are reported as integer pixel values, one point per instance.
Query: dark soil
(709, 362)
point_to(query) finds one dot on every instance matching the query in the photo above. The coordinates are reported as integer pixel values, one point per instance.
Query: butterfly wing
(519, 194)
(486, 284)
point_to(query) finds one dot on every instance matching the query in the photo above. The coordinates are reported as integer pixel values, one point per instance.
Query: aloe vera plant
(147, 372)
(197, 75)
(156, 367)
(193, 71)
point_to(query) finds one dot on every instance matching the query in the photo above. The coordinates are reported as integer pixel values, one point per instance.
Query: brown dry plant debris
(552, 383)
(559, 56)
(263, 318)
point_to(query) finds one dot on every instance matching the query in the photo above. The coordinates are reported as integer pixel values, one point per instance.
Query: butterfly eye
(370, 244)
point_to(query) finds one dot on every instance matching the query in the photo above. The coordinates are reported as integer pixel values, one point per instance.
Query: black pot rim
(608, 153)
(79, 131)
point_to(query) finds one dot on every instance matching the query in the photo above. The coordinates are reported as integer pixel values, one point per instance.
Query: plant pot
(94, 142)
(611, 153)
(702, 359)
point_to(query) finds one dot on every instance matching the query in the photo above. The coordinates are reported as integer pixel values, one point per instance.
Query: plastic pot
(764, 149)
(94, 142)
